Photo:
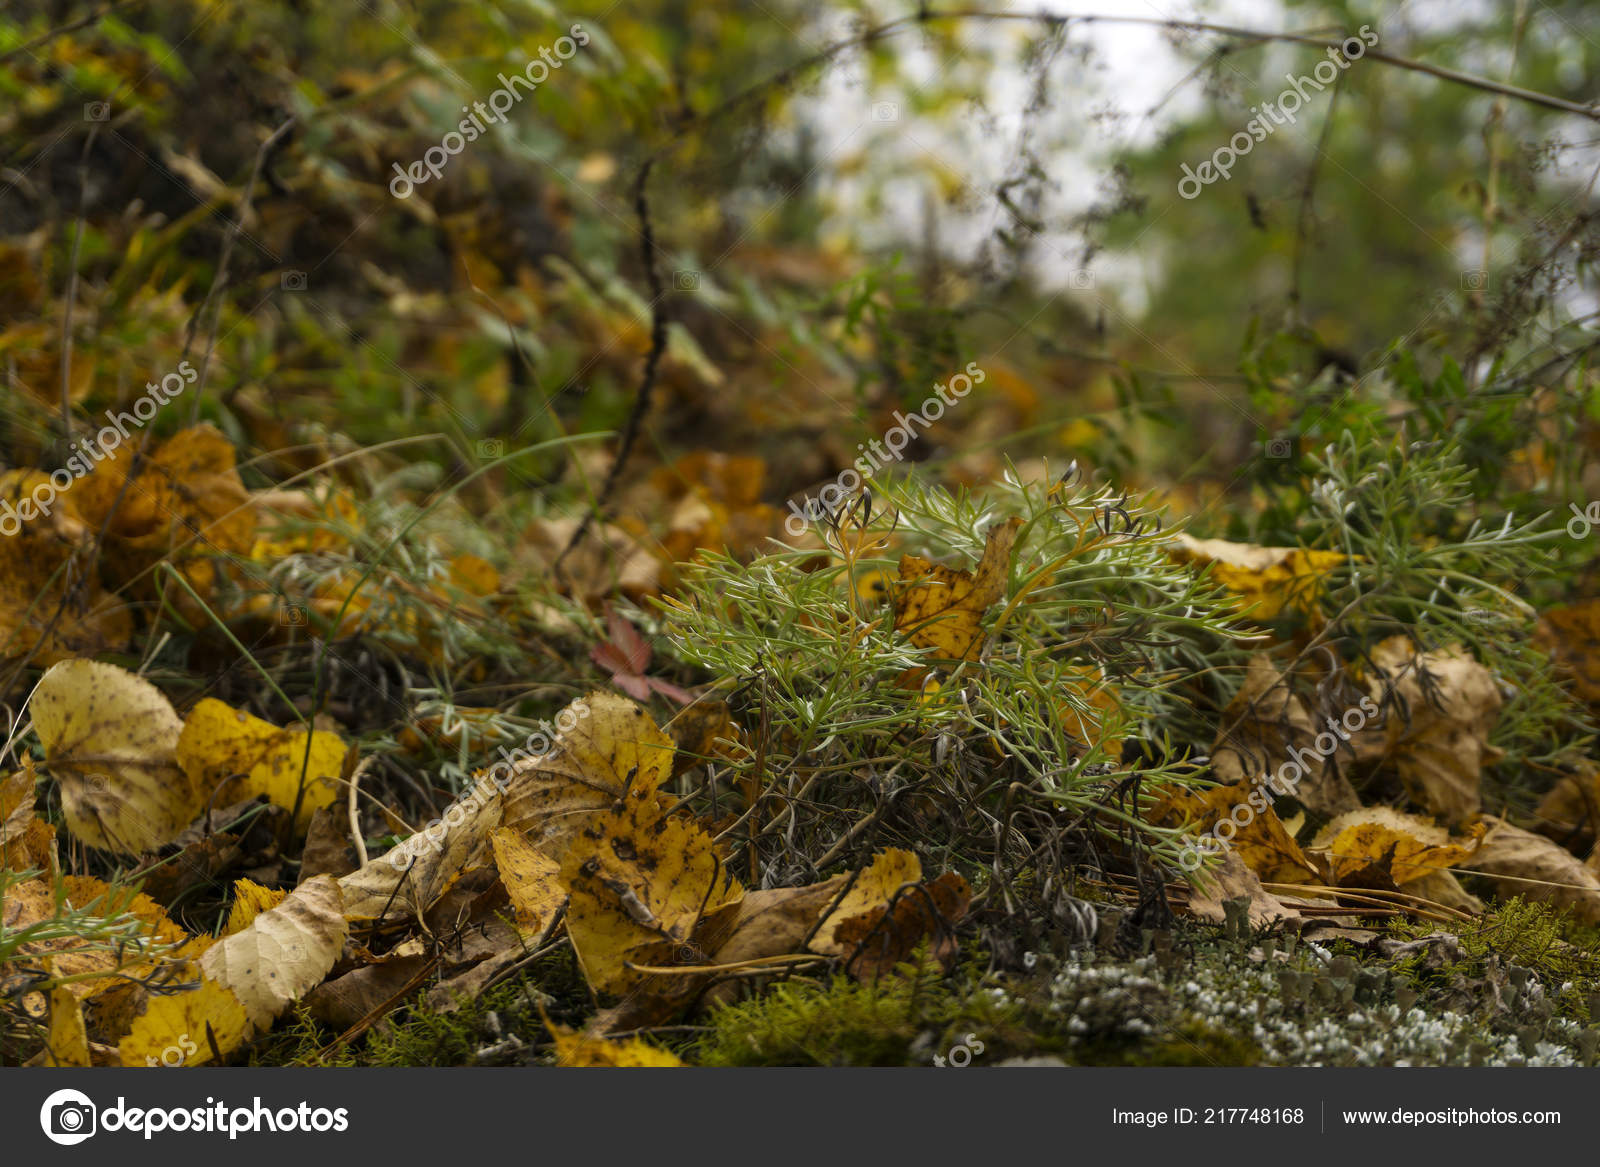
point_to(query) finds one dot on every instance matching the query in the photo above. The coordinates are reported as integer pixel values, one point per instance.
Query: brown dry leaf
(942, 607)
(285, 953)
(1531, 866)
(110, 740)
(531, 878)
(50, 606)
(880, 939)
(607, 561)
(67, 1042)
(578, 1049)
(1442, 887)
(415, 874)
(220, 744)
(250, 899)
(348, 999)
(1229, 880)
(1264, 722)
(27, 842)
(1263, 843)
(889, 871)
(614, 748)
(1569, 812)
(776, 921)
(1571, 636)
(1266, 579)
(328, 849)
(1437, 738)
(1380, 847)
(201, 864)
(178, 1028)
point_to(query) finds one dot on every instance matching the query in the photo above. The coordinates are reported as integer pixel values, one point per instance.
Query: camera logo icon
(885, 111)
(1476, 280)
(686, 280)
(96, 111)
(1280, 448)
(68, 1117)
(293, 616)
(292, 281)
(490, 449)
(1081, 279)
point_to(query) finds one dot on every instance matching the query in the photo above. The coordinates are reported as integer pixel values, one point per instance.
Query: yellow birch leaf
(647, 891)
(1267, 580)
(219, 742)
(888, 872)
(250, 899)
(172, 1030)
(67, 1043)
(613, 748)
(1259, 838)
(577, 1049)
(531, 879)
(110, 740)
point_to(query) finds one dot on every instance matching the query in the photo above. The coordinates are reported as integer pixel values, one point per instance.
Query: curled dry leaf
(776, 920)
(889, 871)
(1268, 730)
(284, 953)
(1441, 707)
(1529, 865)
(1570, 811)
(888, 911)
(1267, 580)
(1263, 843)
(27, 842)
(1229, 880)
(409, 879)
(219, 742)
(1381, 847)
(110, 740)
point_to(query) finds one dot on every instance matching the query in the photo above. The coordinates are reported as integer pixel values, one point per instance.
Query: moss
(899, 1020)
(1558, 951)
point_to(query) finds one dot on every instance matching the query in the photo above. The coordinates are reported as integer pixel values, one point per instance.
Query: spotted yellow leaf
(941, 608)
(110, 740)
